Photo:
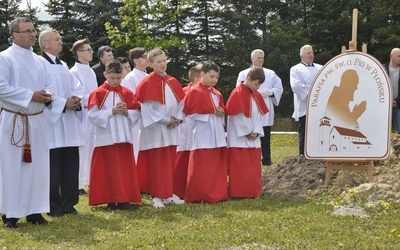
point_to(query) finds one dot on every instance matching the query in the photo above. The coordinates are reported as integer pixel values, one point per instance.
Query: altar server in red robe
(207, 171)
(185, 140)
(161, 98)
(114, 110)
(245, 109)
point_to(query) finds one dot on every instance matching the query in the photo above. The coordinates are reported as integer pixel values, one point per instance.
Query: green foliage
(225, 31)
(8, 11)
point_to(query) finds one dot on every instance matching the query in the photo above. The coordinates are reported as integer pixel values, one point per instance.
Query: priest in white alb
(24, 149)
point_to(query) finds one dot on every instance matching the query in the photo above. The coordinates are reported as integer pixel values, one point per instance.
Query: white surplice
(112, 129)
(301, 78)
(64, 128)
(131, 81)
(239, 126)
(87, 77)
(154, 133)
(24, 187)
(133, 78)
(208, 129)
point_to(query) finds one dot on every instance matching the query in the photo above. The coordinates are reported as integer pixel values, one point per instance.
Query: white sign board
(349, 110)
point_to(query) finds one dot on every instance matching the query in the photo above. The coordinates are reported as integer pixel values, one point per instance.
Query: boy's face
(113, 79)
(142, 62)
(126, 67)
(85, 54)
(210, 78)
(159, 64)
(253, 85)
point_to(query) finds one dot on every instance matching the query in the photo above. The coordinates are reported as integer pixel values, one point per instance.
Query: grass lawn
(262, 223)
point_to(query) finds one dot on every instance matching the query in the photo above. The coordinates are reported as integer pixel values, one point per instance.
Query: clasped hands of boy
(120, 108)
(174, 122)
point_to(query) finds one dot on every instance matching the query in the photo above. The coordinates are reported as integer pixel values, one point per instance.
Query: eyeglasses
(90, 50)
(26, 31)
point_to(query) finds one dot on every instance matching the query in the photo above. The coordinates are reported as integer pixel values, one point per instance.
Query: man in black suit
(105, 55)
(63, 127)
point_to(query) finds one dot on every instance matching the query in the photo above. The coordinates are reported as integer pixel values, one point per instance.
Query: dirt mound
(298, 177)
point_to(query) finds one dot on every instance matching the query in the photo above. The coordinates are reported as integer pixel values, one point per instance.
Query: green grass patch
(262, 223)
(283, 146)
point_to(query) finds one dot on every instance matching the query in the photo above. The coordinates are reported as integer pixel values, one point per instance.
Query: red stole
(200, 101)
(99, 95)
(152, 88)
(240, 101)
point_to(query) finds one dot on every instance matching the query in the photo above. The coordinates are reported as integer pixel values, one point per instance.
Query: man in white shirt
(301, 77)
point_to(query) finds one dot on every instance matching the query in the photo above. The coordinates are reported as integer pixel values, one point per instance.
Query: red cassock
(207, 170)
(180, 173)
(245, 179)
(155, 166)
(181, 165)
(113, 177)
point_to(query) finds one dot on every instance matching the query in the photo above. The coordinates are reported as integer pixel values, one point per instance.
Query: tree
(77, 19)
(65, 21)
(8, 12)
(151, 24)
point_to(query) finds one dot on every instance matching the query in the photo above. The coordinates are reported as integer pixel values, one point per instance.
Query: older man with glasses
(24, 148)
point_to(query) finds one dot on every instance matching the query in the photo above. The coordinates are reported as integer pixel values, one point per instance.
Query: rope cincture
(27, 157)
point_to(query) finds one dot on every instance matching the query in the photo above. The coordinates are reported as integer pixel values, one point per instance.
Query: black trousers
(64, 175)
(302, 134)
(266, 145)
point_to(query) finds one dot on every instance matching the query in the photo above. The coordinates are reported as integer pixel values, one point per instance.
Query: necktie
(58, 61)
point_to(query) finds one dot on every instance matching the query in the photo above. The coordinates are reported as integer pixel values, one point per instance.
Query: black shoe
(56, 213)
(70, 212)
(111, 206)
(36, 219)
(266, 162)
(82, 192)
(127, 206)
(9, 222)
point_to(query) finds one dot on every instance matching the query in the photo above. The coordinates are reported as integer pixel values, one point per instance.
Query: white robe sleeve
(55, 109)
(134, 116)
(99, 117)
(12, 94)
(240, 124)
(180, 115)
(150, 116)
(298, 85)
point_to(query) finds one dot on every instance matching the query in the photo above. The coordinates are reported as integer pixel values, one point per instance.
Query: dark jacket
(397, 99)
(99, 70)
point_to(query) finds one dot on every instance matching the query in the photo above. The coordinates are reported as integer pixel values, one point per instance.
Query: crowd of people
(122, 132)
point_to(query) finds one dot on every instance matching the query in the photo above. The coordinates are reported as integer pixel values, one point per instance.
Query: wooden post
(367, 165)
(354, 29)
(353, 42)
